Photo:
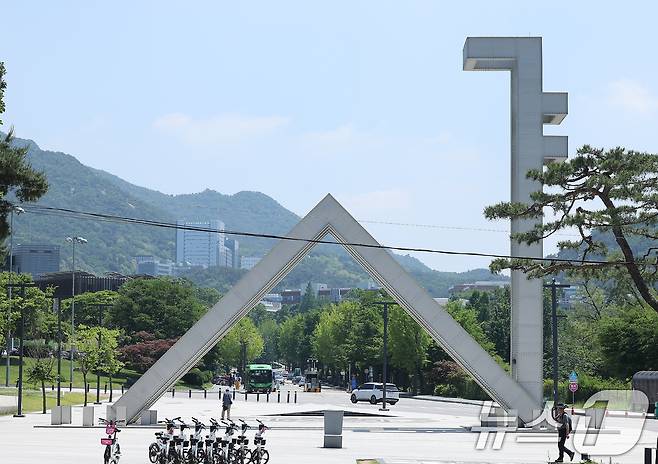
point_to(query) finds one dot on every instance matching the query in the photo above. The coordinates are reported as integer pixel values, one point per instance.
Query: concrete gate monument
(520, 393)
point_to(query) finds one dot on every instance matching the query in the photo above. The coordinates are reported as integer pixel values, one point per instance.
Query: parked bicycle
(228, 442)
(196, 454)
(112, 449)
(213, 444)
(259, 454)
(161, 450)
(242, 454)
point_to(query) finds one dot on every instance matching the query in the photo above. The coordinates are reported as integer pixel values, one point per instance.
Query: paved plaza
(414, 431)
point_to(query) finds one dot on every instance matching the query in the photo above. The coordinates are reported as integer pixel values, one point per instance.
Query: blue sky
(365, 100)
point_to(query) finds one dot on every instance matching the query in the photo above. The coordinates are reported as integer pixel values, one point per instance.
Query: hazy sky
(366, 100)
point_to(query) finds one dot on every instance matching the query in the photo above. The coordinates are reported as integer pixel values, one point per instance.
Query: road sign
(573, 377)
(573, 386)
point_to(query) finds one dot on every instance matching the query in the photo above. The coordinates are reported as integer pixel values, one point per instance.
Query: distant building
(35, 259)
(199, 247)
(248, 262)
(481, 286)
(334, 295)
(84, 282)
(225, 257)
(233, 246)
(152, 266)
(290, 296)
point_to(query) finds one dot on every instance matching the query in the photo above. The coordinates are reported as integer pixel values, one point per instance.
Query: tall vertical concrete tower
(531, 108)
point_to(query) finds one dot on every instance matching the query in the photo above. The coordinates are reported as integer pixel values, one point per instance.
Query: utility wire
(445, 227)
(53, 211)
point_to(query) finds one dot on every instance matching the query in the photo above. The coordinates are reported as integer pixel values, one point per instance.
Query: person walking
(227, 401)
(354, 383)
(564, 429)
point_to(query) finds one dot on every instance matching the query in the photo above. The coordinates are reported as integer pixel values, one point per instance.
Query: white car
(374, 392)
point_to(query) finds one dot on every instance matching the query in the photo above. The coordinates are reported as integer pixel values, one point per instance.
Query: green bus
(259, 378)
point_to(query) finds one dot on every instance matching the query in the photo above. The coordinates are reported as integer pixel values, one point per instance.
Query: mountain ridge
(112, 246)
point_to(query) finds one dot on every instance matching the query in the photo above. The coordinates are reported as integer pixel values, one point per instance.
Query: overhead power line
(71, 213)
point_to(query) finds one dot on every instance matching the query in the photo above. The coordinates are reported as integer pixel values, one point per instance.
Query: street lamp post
(385, 367)
(73, 241)
(554, 286)
(22, 286)
(17, 210)
(59, 350)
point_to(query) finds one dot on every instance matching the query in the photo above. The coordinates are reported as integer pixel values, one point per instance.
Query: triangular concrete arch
(328, 217)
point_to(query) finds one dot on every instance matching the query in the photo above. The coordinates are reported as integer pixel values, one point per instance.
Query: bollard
(173, 392)
(88, 416)
(278, 396)
(52, 388)
(257, 397)
(295, 396)
(219, 394)
(245, 396)
(288, 396)
(70, 386)
(105, 389)
(205, 394)
(268, 397)
(233, 394)
(190, 393)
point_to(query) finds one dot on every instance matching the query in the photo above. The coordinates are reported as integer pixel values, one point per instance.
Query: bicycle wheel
(154, 450)
(107, 454)
(264, 456)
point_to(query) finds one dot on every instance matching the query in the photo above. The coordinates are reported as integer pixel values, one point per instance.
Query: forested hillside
(112, 245)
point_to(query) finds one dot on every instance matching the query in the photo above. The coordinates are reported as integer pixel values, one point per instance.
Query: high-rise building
(199, 247)
(35, 259)
(225, 256)
(234, 247)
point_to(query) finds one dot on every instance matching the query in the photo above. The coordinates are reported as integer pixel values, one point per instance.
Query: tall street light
(73, 241)
(385, 366)
(554, 286)
(18, 210)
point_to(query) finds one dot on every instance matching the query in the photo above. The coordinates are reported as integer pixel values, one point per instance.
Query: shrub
(197, 377)
(587, 386)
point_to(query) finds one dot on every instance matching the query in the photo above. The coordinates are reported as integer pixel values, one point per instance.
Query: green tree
(628, 340)
(308, 299)
(40, 321)
(90, 354)
(408, 343)
(16, 173)
(242, 344)
(290, 335)
(598, 193)
(164, 307)
(95, 357)
(40, 367)
(108, 359)
(86, 306)
(269, 331)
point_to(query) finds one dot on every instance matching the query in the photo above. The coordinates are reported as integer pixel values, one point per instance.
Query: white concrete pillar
(531, 108)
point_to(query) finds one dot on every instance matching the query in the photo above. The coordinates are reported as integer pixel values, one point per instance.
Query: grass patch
(32, 400)
(125, 377)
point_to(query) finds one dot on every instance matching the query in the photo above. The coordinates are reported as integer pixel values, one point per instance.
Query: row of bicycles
(177, 446)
